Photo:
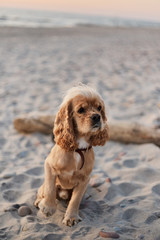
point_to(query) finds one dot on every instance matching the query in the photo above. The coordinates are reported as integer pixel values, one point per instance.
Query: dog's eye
(81, 110)
(99, 108)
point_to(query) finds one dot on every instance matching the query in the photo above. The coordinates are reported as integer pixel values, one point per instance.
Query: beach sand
(37, 66)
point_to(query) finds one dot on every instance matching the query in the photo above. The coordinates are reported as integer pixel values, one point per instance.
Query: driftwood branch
(119, 131)
(128, 132)
(34, 122)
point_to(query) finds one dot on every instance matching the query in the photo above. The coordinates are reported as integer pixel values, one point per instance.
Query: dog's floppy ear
(100, 138)
(63, 128)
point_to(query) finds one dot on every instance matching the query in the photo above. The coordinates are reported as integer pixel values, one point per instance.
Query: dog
(80, 124)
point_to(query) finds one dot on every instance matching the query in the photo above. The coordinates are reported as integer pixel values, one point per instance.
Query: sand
(37, 66)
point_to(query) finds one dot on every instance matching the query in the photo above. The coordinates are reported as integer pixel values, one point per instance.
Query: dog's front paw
(71, 219)
(36, 203)
(47, 209)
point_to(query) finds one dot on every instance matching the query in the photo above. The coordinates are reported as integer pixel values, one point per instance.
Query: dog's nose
(95, 118)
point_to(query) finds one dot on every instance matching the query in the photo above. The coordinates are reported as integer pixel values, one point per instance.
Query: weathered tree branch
(126, 132)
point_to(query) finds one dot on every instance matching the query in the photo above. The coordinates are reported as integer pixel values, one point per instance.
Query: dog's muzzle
(96, 121)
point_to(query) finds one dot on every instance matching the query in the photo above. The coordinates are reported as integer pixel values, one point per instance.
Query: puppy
(80, 124)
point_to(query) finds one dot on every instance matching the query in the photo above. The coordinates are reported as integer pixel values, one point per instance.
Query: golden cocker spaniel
(80, 124)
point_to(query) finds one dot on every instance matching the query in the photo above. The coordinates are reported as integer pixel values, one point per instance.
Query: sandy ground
(37, 66)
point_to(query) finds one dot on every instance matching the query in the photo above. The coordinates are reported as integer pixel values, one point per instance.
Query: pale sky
(141, 9)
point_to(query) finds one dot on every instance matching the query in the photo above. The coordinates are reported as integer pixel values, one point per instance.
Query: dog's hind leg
(40, 195)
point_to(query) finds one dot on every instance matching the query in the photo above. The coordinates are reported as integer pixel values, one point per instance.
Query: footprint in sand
(21, 178)
(22, 154)
(35, 171)
(151, 219)
(128, 188)
(147, 175)
(6, 185)
(11, 195)
(112, 192)
(130, 163)
(48, 227)
(156, 189)
(154, 216)
(83, 231)
(123, 189)
(36, 183)
(53, 236)
(132, 215)
(2, 141)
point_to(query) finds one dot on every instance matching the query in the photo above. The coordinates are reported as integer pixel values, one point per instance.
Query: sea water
(35, 18)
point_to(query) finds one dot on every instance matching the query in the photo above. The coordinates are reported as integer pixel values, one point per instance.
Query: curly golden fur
(64, 130)
(80, 123)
